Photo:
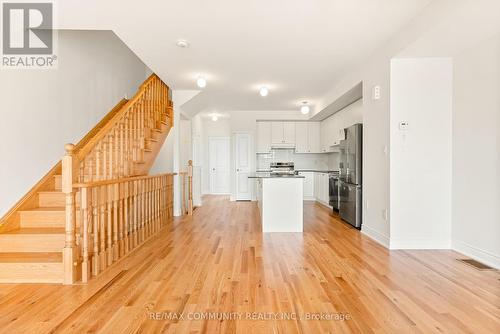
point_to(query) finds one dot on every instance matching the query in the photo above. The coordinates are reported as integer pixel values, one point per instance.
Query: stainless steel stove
(282, 168)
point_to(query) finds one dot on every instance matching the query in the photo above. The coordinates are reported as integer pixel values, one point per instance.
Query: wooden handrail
(122, 180)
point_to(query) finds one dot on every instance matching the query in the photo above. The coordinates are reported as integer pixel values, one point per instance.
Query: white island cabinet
(280, 202)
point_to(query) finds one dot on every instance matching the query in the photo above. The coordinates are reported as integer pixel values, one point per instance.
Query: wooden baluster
(85, 233)
(102, 227)
(139, 219)
(134, 138)
(151, 201)
(190, 187)
(116, 222)
(111, 148)
(141, 210)
(143, 137)
(109, 227)
(120, 150)
(69, 251)
(126, 217)
(121, 220)
(133, 209)
(159, 202)
(95, 231)
(90, 166)
(146, 209)
(162, 202)
(104, 157)
(125, 146)
(116, 165)
(81, 172)
(98, 162)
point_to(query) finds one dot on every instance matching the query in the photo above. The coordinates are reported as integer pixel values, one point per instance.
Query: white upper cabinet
(289, 132)
(263, 137)
(277, 132)
(301, 137)
(307, 137)
(313, 136)
(283, 133)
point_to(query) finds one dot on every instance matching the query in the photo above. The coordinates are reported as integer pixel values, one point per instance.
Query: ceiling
(297, 48)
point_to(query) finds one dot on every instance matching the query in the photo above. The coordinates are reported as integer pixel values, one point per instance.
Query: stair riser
(31, 243)
(42, 219)
(51, 200)
(31, 273)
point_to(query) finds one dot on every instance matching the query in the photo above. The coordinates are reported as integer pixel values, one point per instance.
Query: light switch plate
(404, 125)
(376, 92)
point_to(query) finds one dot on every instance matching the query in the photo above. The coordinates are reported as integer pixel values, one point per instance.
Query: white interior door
(218, 150)
(242, 165)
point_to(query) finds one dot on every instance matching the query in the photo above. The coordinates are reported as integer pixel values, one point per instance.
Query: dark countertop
(269, 176)
(316, 170)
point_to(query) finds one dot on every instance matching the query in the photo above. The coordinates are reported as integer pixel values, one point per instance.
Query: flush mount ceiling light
(304, 109)
(182, 43)
(263, 91)
(201, 82)
(215, 118)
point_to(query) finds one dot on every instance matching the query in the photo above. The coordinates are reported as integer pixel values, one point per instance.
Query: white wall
(476, 151)
(420, 167)
(44, 109)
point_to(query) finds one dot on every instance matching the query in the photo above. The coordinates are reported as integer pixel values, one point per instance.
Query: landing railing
(115, 216)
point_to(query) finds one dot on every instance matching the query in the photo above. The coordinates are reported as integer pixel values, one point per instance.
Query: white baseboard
(375, 235)
(419, 243)
(475, 253)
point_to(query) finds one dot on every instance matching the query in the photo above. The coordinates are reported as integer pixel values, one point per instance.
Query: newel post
(69, 251)
(190, 187)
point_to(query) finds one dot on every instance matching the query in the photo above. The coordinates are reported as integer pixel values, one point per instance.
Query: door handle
(237, 169)
(213, 169)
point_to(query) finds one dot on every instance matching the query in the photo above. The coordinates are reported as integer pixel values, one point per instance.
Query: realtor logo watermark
(28, 37)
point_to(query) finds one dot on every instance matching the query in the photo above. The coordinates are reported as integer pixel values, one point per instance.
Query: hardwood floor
(219, 261)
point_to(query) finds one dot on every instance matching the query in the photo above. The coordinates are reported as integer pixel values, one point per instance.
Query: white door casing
(243, 166)
(219, 170)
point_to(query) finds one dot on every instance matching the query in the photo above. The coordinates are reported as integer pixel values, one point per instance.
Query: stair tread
(41, 257)
(50, 192)
(37, 230)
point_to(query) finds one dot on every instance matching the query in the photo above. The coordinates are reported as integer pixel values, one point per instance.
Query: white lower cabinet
(321, 185)
(308, 185)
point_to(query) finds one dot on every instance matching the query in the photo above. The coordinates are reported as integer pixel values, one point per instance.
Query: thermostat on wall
(403, 125)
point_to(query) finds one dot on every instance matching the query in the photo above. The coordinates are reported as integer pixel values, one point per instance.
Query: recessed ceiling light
(201, 82)
(304, 109)
(182, 43)
(263, 91)
(215, 118)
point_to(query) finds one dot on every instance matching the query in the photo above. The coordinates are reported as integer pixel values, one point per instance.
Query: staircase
(118, 150)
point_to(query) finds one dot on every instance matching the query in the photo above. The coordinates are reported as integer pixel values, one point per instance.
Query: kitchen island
(280, 202)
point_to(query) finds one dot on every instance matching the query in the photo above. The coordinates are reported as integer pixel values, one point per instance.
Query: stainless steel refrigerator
(350, 175)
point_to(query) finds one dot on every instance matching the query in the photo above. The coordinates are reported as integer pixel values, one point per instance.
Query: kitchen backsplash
(302, 161)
